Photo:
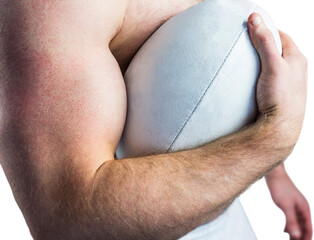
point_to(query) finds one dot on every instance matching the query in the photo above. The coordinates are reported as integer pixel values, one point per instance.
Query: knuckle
(305, 62)
(266, 37)
(301, 61)
(274, 59)
(277, 68)
(288, 36)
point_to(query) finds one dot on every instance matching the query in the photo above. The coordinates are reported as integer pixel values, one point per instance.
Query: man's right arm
(165, 196)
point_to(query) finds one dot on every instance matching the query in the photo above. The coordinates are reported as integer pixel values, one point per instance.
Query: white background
(297, 19)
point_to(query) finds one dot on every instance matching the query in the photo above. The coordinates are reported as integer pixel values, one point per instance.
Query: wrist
(276, 173)
(283, 134)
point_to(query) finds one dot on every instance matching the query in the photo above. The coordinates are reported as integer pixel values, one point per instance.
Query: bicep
(63, 105)
(56, 62)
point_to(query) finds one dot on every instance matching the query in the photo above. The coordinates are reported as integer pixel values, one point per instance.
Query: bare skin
(136, 28)
(292, 202)
(63, 110)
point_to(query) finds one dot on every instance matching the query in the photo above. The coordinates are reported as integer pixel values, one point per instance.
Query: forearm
(161, 196)
(165, 196)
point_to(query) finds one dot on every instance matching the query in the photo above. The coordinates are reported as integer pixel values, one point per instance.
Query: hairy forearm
(165, 196)
(160, 196)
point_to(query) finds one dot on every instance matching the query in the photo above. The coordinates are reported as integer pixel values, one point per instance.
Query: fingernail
(296, 234)
(256, 21)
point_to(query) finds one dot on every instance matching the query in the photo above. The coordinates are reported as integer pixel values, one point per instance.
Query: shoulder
(79, 18)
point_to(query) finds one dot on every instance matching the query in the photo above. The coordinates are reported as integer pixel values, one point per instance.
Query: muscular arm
(63, 103)
(63, 112)
(165, 196)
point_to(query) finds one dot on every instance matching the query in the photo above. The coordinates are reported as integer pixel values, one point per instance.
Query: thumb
(263, 41)
(292, 226)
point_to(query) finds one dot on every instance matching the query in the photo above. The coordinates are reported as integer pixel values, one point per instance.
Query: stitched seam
(206, 89)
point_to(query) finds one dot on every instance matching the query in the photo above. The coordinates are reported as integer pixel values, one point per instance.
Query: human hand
(294, 205)
(282, 84)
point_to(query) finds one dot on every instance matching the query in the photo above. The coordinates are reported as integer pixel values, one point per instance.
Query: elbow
(66, 212)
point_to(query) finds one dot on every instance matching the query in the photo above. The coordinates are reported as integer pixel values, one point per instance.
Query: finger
(292, 226)
(288, 45)
(263, 40)
(304, 214)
